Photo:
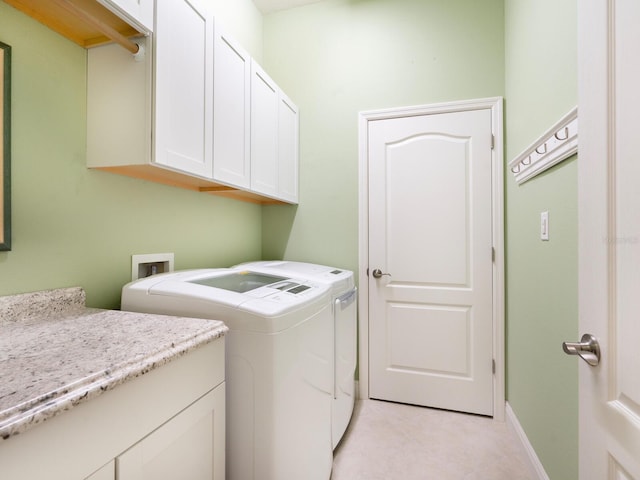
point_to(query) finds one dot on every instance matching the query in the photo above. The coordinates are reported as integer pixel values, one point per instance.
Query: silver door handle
(377, 273)
(588, 349)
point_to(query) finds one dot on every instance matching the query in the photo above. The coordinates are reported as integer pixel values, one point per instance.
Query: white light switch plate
(544, 226)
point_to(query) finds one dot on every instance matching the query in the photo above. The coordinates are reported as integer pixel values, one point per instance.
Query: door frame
(495, 105)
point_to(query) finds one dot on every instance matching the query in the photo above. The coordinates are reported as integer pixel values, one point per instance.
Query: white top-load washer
(344, 307)
(278, 363)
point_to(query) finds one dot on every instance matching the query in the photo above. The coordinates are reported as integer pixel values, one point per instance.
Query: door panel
(433, 169)
(430, 230)
(446, 327)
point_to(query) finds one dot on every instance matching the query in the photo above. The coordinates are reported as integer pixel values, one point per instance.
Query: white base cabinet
(184, 447)
(166, 424)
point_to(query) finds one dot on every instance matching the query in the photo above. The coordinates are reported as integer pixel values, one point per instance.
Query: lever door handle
(377, 273)
(588, 349)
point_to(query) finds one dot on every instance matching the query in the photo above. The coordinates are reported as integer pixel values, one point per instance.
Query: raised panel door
(609, 238)
(430, 232)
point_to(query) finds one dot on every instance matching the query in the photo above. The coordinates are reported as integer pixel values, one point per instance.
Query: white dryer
(344, 307)
(278, 363)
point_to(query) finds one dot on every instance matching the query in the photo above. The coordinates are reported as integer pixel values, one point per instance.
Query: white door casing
(609, 237)
(457, 363)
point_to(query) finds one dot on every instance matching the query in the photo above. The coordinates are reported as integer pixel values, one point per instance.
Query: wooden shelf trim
(85, 22)
(164, 176)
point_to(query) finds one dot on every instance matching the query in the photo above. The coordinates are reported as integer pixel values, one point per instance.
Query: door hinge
(493, 254)
(367, 271)
(493, 366)
(493, 141)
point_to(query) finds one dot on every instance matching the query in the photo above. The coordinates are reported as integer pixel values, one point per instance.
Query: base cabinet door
(190, 445)
(108, 472)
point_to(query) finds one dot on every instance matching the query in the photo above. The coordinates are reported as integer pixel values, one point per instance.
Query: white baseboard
(535, 466)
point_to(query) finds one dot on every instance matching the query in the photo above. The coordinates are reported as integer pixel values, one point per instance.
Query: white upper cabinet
(274, 139)
(140, 11)
(195, 111)
(184, 87)
(288, 148)
(264, 132)
(231, 112)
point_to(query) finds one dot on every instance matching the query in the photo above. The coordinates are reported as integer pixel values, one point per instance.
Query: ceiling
(269, 6)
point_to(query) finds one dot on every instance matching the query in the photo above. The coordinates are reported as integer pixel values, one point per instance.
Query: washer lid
(240, 282)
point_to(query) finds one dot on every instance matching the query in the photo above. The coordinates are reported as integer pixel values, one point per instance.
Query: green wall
(542, 298)
(73, 226)
(338, 57)
(335, 58)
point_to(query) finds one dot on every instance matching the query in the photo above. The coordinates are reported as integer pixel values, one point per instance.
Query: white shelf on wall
(555, 145)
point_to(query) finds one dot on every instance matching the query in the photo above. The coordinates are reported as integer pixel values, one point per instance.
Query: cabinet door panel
(190, 445)
(264, 132)
(287, 150)
(232, 102)
(184, 87)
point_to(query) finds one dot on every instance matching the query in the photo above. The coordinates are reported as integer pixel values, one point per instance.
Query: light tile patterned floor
(389, 441)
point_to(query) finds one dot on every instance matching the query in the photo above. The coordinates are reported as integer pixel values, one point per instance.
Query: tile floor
(389, 441)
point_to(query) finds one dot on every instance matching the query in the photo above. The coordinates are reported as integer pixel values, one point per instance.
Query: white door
(430, 239)
(184, 87)
(609, 237)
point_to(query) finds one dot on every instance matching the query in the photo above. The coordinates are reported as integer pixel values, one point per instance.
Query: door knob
(377, 273)
(588, 349)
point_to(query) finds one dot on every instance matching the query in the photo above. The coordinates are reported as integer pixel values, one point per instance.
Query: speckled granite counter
(55, 353)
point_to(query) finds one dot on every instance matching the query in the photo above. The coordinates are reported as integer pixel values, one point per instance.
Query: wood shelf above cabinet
(81, 21)
(157, 174)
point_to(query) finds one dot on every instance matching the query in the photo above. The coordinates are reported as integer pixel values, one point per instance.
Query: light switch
(544, 226)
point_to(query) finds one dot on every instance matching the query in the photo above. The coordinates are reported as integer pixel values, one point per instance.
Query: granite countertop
(55, 353)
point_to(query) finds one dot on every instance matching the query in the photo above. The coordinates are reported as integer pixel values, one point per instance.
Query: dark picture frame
(5, 147)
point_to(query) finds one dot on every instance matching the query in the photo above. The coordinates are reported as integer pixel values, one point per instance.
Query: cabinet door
(141, 11)
(231, 112)
(287, 150)
(264, 132)
(108, 472)
(190, 445)
(184, 87)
